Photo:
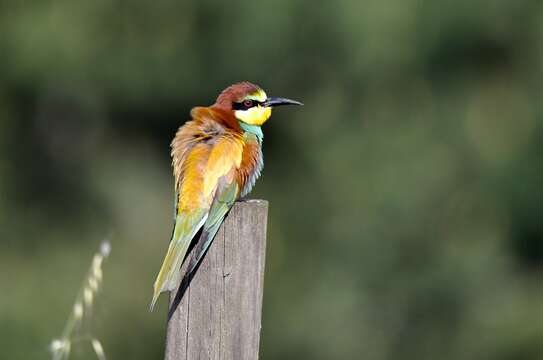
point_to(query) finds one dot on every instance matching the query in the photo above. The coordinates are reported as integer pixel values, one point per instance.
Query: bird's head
(249, 103)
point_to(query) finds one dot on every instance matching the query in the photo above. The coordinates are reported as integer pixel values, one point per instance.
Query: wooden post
(219, 314)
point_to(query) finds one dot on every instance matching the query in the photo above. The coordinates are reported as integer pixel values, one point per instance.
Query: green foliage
(405, 201)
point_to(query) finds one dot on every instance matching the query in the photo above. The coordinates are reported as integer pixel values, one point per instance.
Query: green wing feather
(186, 226)
(224, 199)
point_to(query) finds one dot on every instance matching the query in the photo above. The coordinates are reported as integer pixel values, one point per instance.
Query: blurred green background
(405, 197)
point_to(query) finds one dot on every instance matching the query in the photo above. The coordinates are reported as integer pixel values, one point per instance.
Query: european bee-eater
(216, 158)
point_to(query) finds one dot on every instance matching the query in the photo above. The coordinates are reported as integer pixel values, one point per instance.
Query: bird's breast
(251, 166)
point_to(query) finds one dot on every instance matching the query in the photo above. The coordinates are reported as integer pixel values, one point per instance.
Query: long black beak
(277, 101)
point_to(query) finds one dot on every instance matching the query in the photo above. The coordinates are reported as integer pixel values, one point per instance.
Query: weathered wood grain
(219, 315)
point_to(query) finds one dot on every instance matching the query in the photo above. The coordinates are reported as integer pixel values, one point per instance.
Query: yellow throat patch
(256, 115)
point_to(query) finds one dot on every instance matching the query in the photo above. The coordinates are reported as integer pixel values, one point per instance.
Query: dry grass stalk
(60, 348)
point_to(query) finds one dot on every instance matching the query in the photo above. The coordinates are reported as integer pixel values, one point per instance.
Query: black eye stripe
(242, 106)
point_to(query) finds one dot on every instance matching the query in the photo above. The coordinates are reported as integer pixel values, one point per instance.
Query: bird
(216, 159)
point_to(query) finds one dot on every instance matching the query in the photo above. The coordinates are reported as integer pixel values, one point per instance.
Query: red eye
(248, 103)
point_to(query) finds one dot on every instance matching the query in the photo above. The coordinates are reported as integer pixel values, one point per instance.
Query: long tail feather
(200, 249)
(168, 277)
